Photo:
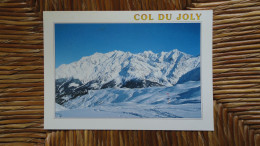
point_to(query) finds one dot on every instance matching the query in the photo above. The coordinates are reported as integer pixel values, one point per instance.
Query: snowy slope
(179, 101)
(193, 75)
(115, 68)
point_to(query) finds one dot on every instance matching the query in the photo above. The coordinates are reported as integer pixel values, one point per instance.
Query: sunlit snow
(180, 101)
(73, 85)
(94, 86)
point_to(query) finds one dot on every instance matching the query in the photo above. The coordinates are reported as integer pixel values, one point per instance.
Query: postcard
(128, 70)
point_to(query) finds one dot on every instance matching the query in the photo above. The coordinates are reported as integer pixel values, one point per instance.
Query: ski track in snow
(179, 101)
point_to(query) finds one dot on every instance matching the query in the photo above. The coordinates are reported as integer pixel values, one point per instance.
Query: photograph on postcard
(127, 70)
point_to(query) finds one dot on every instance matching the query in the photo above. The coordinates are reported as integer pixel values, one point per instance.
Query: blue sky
(73, 41)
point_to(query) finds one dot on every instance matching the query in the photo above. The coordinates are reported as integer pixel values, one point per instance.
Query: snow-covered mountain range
(119, 69)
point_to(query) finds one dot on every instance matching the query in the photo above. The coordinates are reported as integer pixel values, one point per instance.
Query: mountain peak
(148, 52)
(174, 51)
(164, 68)
(116, 51)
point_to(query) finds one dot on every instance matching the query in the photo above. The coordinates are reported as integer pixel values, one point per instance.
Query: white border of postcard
(204, 123)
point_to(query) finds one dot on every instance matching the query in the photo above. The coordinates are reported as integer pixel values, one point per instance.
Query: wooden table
(236, 67)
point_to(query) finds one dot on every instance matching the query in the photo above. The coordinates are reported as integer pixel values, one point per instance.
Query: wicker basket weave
(236, 67)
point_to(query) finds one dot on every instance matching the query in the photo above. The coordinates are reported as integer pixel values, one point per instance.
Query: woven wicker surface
(236, 67)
